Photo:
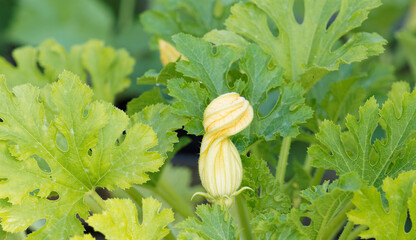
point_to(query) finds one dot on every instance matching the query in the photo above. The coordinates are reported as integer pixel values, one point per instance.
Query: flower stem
(173, 199)
(94, 201)
(346, 231)
(337, 222)
(317, 177)
(244, 217)
(354, 234)
(126, 14)
(282, 163)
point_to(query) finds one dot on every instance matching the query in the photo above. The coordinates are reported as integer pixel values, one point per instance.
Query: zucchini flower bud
(220, 165)
(168, 53)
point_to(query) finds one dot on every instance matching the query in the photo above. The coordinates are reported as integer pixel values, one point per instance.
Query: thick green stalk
(346, 231)
(244, 217)
(282, 163)
(173, 199)
(337, 222)
(354, 234)
(317, 177)
(126, 14)
(94, 202)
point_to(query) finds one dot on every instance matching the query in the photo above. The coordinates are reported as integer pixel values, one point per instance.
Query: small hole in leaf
(61, 142)
(306, 221)
(90, 152)
(86, 111)
(299, 10)
(42, 164)
(271, 101)
(350, 145)
(1, 120)
(408, 224)
(374, 157)
(41, 69)
(273, 27)
(331, 20)
(53, 196)
(37, 225)
(339, 43)
(214, 50)
(34, 192)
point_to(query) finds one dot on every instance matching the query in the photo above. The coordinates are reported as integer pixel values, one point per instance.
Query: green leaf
(344, 97)
(210, 77)
(354, 150)
(104, 67)
(327, 202)
(78, 150)
(204, 64)
(387, 223)
(187, 16)
(70, 22)
(145, 99)
(161, 119)
(309, 50)
(266, 194)
(119, 220)
(151, 77)
(213, 224)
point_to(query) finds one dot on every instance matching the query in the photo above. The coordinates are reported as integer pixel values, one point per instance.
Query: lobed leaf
(106, 68)
(213, 224)
(306, 50)
(354, 150)
(387, 223)
(211, 74)
(120, 220)
(66, 157)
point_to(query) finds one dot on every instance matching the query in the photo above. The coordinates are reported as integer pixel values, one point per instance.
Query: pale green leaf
(85, 237)
(120, 221)
(105, 68)
(212, 225)
(354, 150)
(387, 223)
(307, 50)
(78, 150)
(145, 99)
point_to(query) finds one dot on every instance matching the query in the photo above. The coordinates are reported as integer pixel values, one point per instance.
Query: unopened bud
(220, 165)
(168, 53)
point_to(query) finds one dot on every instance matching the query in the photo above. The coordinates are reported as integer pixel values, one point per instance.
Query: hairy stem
(244, 217)
(282, 163)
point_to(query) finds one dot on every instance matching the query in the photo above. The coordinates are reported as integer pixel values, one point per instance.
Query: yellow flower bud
(220, 166)
(168, 53)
